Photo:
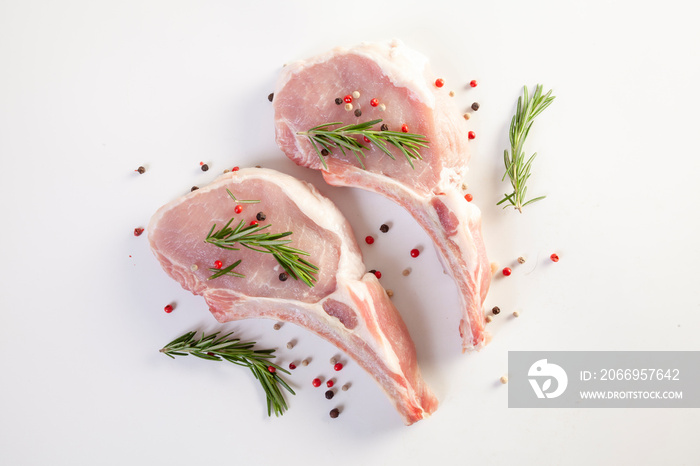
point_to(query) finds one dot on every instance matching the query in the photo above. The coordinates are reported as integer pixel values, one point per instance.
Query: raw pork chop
(401, 81)
(347, 306)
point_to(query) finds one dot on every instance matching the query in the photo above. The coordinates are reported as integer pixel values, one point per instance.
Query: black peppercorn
(260, 216)
(324, 152)
(271, 96)
(384, 228)
(496, 310)
(329, 394)
(358, 113)
(384, 127)
(338, 101)
(334, 413)
(204, 167)
(283, 277)
(194, 188)
(475, 106)
(373, 271)
(141, 170)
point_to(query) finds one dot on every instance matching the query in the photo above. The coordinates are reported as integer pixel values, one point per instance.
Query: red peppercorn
(292, 366)
(316, 382)
(271, 369)
(366, 139)
(254, 222)
(471, 135)
(374, 102)
(218, 264)
(404, 128)
(369, 239)
(169, 308)
(238, 209)
(138, 231)
(347, 99)
(235, 169)
(554, 258)
(473, 83)
(338, 367)
(377, 274)
(439, 82)
(330, 383)
(415, 252)
(507, 271)
(468, 197)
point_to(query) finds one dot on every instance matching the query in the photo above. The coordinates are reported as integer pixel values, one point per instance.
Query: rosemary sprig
(226, 271)
(241, 201)
(233, 350)
(271, 243)
(344, 137)
(517, 168)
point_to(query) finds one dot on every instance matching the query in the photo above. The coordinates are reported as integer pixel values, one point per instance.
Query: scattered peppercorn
(406, 272)
(292, 366)
(415, 252)
(235, 169)
(238, 209)
(452, 93)
(366, 139)
(494, 267)
(271, 96)
(468, 197)
(377, 274)
(374, 102)
(334, 413)
(384, 127)
(168, 308)
(390, 293)
(471, 135)
(496, 310)
(338, 101)
(516, 314)
(271, 369)
(338, 366)
(382, 107)
(333, 360)
(506, 271)
(218, 264)
(384, 228)
(404, 128)
(204, 167)
(141, 170)
(345, 387)
(277, 326)
(439, 82)
(356, 94)
(194, 267)
(330, 383)
(358, 113)
(488, 319)
(475, 106)
(347, 99)
(329, 394)
(521, 260)
(504, 380)
(467, 116)
(316, 382)
(554, 258)
(290, 344)
(369, 239)
(138, 231)
(305, 362)
(348, 107)
(260, 216)
(473, 83)
(283, 277)
(324, 152)
(194, 188)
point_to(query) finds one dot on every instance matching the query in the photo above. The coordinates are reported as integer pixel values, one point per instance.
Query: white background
(91, 90)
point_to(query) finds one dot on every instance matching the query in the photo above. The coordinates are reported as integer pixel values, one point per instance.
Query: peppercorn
(516, 314)
(467, 116)
(330, 383)
(554, 258)
(384, 228)
(504, 380)
(271, 96)
(406, 272)
(471, 135)
(218, 264)
(384, 127)
(348, 107)
(369, 239)
(473, 83)
(292, 366)
(290, 344)
(305, 362)
(496, 310)
(338, 101)
(324, 152)
(521, 260)
(316, 382)
(141, 170)
(329, 394)
(439, 82)
(334, 413)
(277, 326)
(404, 128)
(333, 360)
(283, 277)
(488, 319)
(138, 231)
(204, 167)
(358, 113)
(347, 99)
(415, 252)
(271, 369)
(356, 94)
(238, 209)
(338, 366)
(374, 102)
(194, 188)
(260, 216)
(468, 197)
(475, 106)
(168, 308)
(235, 169)
(507, 271)
(345, 387)
(390, 293)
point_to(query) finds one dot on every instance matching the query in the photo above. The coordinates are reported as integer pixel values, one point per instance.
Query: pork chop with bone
(346, 306)
(306, 95)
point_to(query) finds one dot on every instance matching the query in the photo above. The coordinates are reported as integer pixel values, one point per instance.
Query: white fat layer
(403, 66)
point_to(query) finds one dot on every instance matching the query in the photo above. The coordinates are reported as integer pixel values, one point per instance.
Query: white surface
(91, 90)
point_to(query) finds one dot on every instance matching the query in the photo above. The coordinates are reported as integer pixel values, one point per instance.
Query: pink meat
(305, 96)
(347, 307)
